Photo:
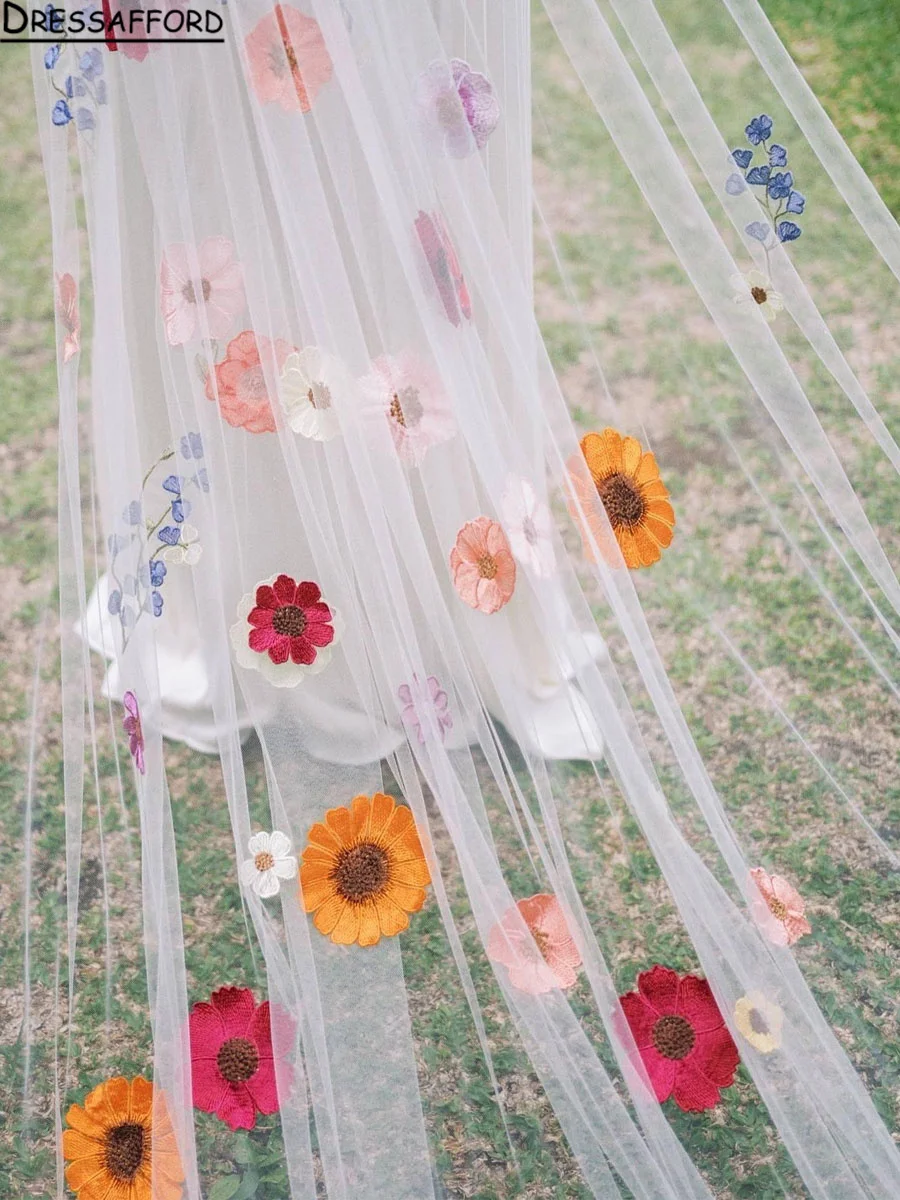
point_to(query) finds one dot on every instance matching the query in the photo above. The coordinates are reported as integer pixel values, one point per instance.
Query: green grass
(848, 51)
(727, 562)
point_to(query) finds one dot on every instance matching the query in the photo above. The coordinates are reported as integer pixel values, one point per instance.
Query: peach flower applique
(67, 313)
(779, 908)
(483, 567)
(545, 957)
(239, 381)
(289, 61)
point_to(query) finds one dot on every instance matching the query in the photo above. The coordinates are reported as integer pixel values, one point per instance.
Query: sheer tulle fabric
(385, 548)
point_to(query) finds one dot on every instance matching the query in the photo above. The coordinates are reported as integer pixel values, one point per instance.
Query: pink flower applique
(289, 61)
(239, 381)
(457, 107)
(131, 723)
(133, 42)
(424, 708)
(67, 312)
(219, 285)
(444, 267)
(779, 909)
(484, 570)
(545, 957)
(232, 1056)
(404, 391)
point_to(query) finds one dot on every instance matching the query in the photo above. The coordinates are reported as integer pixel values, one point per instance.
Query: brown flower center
(124, 1150)
(673, 1037)
(190, 294)
(237, 1060)
(622, 500)
(361, 872)
(542, 940)
(487, 566)
(319, 395)
(759, 294)
(289, 620)
(406, 407)
(264, 861)
(758, 1022)
(777, 908)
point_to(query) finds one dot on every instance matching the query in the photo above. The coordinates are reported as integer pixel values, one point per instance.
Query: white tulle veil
(347, 517)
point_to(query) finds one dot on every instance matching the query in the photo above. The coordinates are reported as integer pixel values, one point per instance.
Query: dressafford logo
(111, 22)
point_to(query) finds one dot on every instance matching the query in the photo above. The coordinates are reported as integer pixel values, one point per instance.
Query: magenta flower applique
(131, 723)
(443, 265)
(457, 108)
(425, 708)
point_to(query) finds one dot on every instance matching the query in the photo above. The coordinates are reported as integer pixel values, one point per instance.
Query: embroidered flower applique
(67, 314)
(363, 871)
(310, 381)
(482, 565)
(186, 550)
(239, 384)
(778, 909)
(457, 107)
(153, 535)
(270, 861)
(443, 265)
(284, 630)
(760, 1021)
(775, 189)
(209, 275)
(756, 288)
(121, 1142)
(405, 391)
(131, 723)
(289, 61)
(232, 1056)
(77, 77)
(681, 1037)
(425, 708)
(541, 959)
(529, 527)
(626, 480)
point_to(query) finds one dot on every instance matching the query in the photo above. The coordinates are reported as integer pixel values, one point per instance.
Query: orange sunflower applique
(363, 871)
(626, 479)
(111, 1140)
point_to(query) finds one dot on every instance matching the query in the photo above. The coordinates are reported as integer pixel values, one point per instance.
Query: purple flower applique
(131, 723)
(457, 107)
(424, 708)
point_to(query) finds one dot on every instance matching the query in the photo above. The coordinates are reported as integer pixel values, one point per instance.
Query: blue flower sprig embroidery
(774, 186)
(77, 77)
(140, 557)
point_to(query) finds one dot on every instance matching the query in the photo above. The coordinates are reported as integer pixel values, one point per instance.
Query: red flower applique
(232, 1062)
(682, 1038)
(285, 630)
(290, 621)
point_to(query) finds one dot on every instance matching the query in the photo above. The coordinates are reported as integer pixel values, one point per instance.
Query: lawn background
(849, 52)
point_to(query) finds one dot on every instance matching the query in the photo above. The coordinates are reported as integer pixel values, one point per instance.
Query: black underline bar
(120, 41)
